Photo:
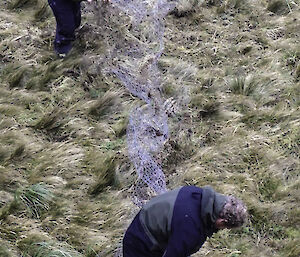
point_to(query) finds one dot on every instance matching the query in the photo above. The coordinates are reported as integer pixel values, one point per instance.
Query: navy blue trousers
(68, 17)
(136, 243)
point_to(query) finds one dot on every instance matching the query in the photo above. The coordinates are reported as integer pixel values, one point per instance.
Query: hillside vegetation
(65, 176)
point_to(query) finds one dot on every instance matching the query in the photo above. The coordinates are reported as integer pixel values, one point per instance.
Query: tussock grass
(36, 245)
(84, 214)
(207, 107)
(17, 76)
(297, 72)
(243, 86)
(36, 198)
(4, 177)
(41, 7)
(47, 250)
(104, 104)
(12, 146)
(104, 167)
(49, 121)
(121, 127)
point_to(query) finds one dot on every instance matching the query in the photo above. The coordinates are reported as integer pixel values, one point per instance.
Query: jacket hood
(211, 205)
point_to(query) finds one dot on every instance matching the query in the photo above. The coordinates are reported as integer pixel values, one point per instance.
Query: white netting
(133, 54)
(133, 59)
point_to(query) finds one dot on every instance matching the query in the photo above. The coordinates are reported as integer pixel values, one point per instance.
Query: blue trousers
(136, 243)
(68, 17)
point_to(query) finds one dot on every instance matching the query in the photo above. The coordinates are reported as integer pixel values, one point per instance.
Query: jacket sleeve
(185, 240)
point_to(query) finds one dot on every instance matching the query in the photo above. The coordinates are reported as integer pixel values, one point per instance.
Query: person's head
(233, 214)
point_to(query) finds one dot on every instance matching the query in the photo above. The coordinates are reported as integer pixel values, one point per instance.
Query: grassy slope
(63, 123)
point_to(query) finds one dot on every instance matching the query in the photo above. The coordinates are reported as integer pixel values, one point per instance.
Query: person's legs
(68, 16)
(136, 243)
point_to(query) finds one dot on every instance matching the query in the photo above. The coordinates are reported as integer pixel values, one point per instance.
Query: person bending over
(177, 223)
(68, 18)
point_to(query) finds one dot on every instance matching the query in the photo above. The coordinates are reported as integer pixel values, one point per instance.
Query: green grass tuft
(36, 245)
(45, 249)
(243, 86)
(36, 198)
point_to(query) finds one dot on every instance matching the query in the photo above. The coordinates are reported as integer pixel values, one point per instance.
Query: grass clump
(9, 233)
(16, 75)
(105, 170)
(84, 214)
(121, 127)
(268, 186)
(90, 252)
(263, 224)
(230, 4)
(45, 249)
(36, 198)
(206, 107)
(243, 86)
(103, 105)
(37, 246)
(236, 4)
(49, 121)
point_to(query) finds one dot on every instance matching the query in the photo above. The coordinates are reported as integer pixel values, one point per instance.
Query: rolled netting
(133, 56)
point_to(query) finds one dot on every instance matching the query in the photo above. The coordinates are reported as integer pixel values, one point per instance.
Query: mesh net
(133, 54)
